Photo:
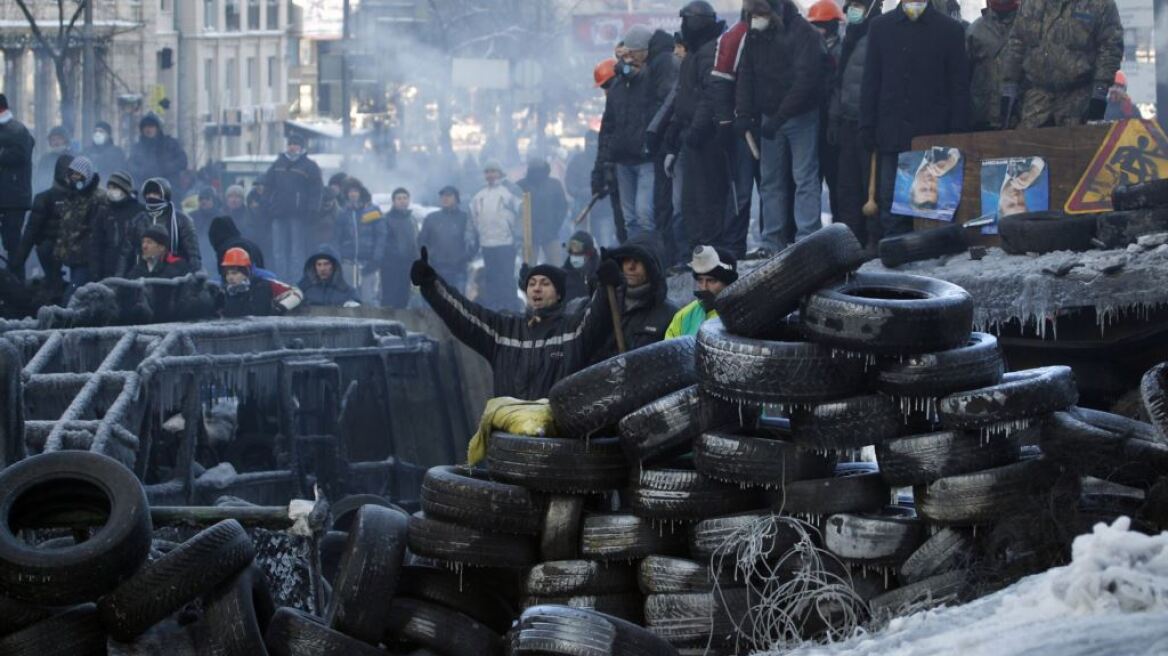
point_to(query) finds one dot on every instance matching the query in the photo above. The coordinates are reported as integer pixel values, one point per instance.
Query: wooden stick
(753, 145)
(871, 208)
(587, 210)
(618, 331)
(528, 245)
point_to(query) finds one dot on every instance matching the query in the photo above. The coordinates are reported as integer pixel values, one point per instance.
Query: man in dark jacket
(645, 308)
(57, 144)
(323, 284)
(401, 249)
(701, 159)
(985, 44)
(124, 207)
(247, 295)
(361, 235)
(549, 207)
(781, 102)
(106, 156)
(916, 82)
(16, 145)
(157, 154)
(580, 267)
(159, 209)
(528, 352)
(450, 238)
(292, 192)
(44, 226)
(84, 215)
(160, 303)
(743, 167)
(665, 57)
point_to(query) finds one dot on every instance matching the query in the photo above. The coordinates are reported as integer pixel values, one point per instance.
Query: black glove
(770, 126)
(609, 273)
(868, 139)
(599, 184)
(1098, 105)
(421, 272)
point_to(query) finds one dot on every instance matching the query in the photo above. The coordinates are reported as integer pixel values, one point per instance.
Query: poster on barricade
(929, 183)
(1013, 185)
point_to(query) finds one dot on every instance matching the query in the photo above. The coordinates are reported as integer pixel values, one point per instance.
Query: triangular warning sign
(1134, 151)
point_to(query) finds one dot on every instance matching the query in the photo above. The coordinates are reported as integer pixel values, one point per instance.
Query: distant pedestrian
(16, 146)
(495, 210)
(361, 235)
(291, 203)
(106, 156)
(157, 154)
(401, 249)
(451, 239)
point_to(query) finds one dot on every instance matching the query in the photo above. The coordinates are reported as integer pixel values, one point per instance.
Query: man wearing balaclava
(714, 269)
(916, 82)
(159, 209)
(986, 44)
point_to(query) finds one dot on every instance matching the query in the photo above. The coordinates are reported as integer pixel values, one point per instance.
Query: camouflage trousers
(1042, 108)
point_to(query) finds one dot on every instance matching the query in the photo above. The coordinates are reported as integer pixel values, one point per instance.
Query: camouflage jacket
(985, 42)
(83, 218)
(1058, 45)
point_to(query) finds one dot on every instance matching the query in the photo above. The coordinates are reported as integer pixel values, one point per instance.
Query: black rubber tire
(1154, 396)
(370, 568)
(558, 465)
(889, 314)
(750, 306)
(15, 615)
(1118, 229)
(74, 632)
(922, 245)
(461, 593)
(689, 617)
(344, 510)
(850, 423)
(1109, 447)
(563, 520)
(37, 492)
(544, 630)
(758, 461)
(601, 395)
(564, 578)
(627, 537)
(1145, 195)
(662, 574)
(441, 629)
(947, 550)
(293, 632)
(236, 616)
(843, 493)
(944, 588)
(683, 495)
(667, 427)
(977, 364)
(212, 557)
(1021, 395)
(874, 539)
(1046, 232)
(458, 544)
(920, 459)
(721, 536)
(745, 370)
(625, 605)
(332, 545)
(985, 496)
(466, 496)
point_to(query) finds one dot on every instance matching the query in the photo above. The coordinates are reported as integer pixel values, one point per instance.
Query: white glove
(351, 304)
(670, 160)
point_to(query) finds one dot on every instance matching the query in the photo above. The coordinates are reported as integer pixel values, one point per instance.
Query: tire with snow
(74, 632)
(464, 594)
(976, 364)
(846, 492)
(563, 520)
(920, 459)
(580, 577)
(458, 544)
(1154, 395)
(546, 630)
(757, 461)
(1021, 395)
(689, 617)
(558, 465)
(741, 369)
(874, 539)
(601, 395)
(1046, 232)
(662, 574)
(625, 605)
(627, 537)
(750, 306)
(1106, 446)
(922, 245)
(467, 496)
(724, 536)
(948, 549)
(985, 496)
(1144, 195)
(1118, 229)
(678, 494)
(847, 424)
(440, 629)
(927, 593)
(889, 314)
(370, 566)
(668, 426)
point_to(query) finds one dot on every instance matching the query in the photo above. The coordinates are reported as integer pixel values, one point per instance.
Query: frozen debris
(219, 476)
(1152, 241)
(175, 424)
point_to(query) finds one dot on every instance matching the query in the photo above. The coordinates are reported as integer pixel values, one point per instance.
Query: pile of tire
(116, 589)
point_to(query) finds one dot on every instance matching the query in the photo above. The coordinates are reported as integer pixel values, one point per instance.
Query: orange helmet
(824, 11)
(236, 257)
(1120, 79)
(604, 72)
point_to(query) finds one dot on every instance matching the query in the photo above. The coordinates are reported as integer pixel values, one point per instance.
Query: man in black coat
(291, 203)
(161, 303)
(916, 82)
(44, 226)
(450, 238)
(401, 249)
(645, 309)
(123, 209)
(106, 156)
(16, 145)
(324, 284)
(549, 207)
(157, 154)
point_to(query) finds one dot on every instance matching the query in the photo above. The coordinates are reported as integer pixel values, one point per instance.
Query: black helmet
(696, 18)
(699, 8)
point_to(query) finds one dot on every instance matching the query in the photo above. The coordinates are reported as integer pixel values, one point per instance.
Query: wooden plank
(1068, 152)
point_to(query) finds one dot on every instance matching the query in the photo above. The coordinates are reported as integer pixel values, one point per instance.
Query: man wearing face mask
(16, 146)
(159, 209)
(105, 155)
(580, 267)
(781, 80)
(916, 82)
(292, 193)
(84, 215)
(714, 269)
(985, 42)
(1061, 59)
(124, 207)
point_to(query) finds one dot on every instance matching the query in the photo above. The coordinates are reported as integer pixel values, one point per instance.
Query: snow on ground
(1112, 599)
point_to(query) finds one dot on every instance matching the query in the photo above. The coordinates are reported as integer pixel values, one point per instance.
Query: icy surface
(1112, 599)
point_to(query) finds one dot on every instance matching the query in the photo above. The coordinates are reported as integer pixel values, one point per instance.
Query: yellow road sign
(1134, 151)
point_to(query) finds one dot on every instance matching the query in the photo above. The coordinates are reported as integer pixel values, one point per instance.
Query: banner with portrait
(1012, 186)
(929, 183)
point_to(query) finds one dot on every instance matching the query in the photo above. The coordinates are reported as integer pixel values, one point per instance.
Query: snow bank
(1111, 599)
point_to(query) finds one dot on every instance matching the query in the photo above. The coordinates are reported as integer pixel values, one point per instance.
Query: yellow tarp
(510, 415)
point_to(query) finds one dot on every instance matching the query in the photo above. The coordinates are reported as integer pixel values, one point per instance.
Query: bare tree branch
(32, 23)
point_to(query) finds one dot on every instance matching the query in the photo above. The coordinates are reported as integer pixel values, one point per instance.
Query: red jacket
(730, 51)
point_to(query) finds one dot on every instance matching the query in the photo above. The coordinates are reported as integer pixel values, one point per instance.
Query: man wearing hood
(323, 284)
(156, 154)
(159, 209)
(44, 226)
(224, 234)
(84, 215)
(124, 207)
(714, 269)
(580, 267)
(106, 156)
(706, 183)
(528, 352)
(292, 192)
(645, 308)
(450, 237)
(16, 146)
(58, 144)
(549, 207)
(401, 249)
(361, 235)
